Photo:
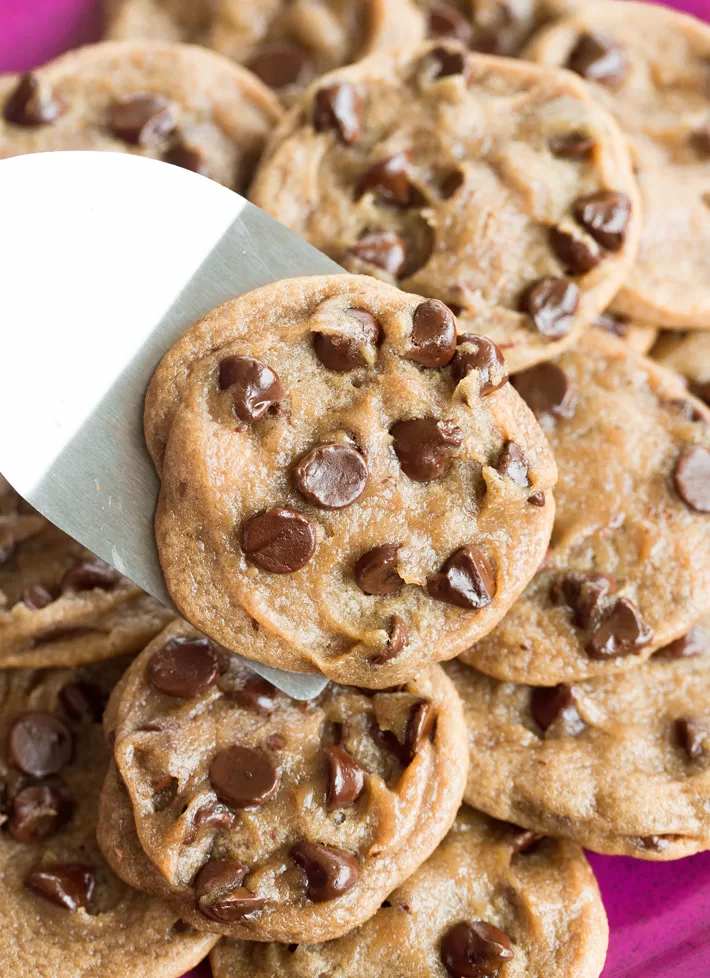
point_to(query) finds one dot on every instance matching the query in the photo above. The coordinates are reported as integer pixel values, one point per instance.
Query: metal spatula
(105, 260)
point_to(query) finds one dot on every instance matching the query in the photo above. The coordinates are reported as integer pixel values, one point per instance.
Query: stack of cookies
(451, 480)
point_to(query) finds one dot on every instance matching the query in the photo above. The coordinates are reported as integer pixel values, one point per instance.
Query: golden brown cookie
(497, 187)
(265, 818)
(688, 354)
(64, 913)
(649, 67)
(345, 489)
(169, 102)
(620, 764)
(625, 572)
(491, 897)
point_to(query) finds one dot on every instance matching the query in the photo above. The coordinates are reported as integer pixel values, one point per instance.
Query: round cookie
(169, 102)
(620, 764)
(345, 489)
(489, 184)
(625, 572)
(64, 913)
(286, 43)
(60, 605)
(689, 355)
(649, 66)
(491, 896)
(266, 818)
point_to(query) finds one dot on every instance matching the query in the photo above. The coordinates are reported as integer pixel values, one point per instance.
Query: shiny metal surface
(105, 260)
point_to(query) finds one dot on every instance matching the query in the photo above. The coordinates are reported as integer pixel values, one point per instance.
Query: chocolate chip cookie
(649, 66)
(497, 187)
(492, 900)
(265, 818)
(353, 488)
(620, 764)
(61, 605)
(689, 355)
(168, 102)
(286, 43)
(64, 913)
(625, 572)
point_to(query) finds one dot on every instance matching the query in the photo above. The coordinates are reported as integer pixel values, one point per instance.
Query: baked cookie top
(268, 818)
(343, 487)
(64, 913)
(500, 188)
(170, 102)
(620, 764)
(492, 900)
(649, 66)
(625, 572)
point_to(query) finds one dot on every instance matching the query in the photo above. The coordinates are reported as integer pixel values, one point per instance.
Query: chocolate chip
(214, 817)
(433, 334)
(253, 386)
(36, 597)
(384, 249)
(376, 571)
(537, 499)
(582, 593)
(256, 694)
(445, 61)
(656, 843)
(475, 950)
(275, 741)
(466, 580)
(524, 841)
(701, 391)
(346, 352)
(70, 886)
(219, 892)
(86, 575)
(598, 58)
(691, 476)
(184, 667)
(420, 726)
(82, 702)
(424, 447)
(398, 640)
(605, 215)
(281, 64)
(546, 390)
(692, 734)
(330, 872)
(40, 744)
(389, 179)
(577, 255)
(622, 632)
(143, 119)
(687, 647)
(243, 777)
(446, 21)
(556, 705)
(280, 540)
(339, 107)
(32, 103)
(572, 146)
(7, 552)
(488, 42)
(551, 303)
(612, 323)
(37, 813)
(331, 476)
(187, 157)
(700, 140)
(481, 354)
(345, 778)
(514, 466)
(450, 185)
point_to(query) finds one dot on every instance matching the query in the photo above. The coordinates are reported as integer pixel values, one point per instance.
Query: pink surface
(659, 913)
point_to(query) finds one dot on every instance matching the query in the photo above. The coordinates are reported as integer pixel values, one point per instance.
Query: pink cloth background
(659, 913)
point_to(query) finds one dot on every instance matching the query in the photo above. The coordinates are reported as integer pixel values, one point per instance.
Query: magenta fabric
(659, 912)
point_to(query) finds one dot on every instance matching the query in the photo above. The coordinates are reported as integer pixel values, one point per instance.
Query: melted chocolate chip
(557, 705)
(345, 778)
(376, 571)
(36, 597)
(514, 466)
(466, 580)
(687, 647)
(70, 886)
(605, 215)
(622, 632)
(243, 777)
(7, 552)
(331, 476)
(598, 58)
(38, 812)
(184, 667)
(424, 447)
(546, 390)
(691, 477)
(692, 735)
(577, 255)
(143, 119)
(572, 146)
(551, 303)
(612, 323)
(433, 334)
(330, 872)
(582, 593)
(389, 179)
(282, 64)
(220, 894)
(384, 249)
(253, 386)
(420, 726)
(86, 575)
(187, 157)
(537, 499)
(275, 741)
(446, 21)
(443, 62)
(256, 694)
(524, 841)
(82, 702)
(450, 185)
(480, 354)
(32, 103)
(215, 817)
(475, 950)
(345, 352)
(280, 540)
(398, 640)
(339, 108)
(700, 140)
(40, 744)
